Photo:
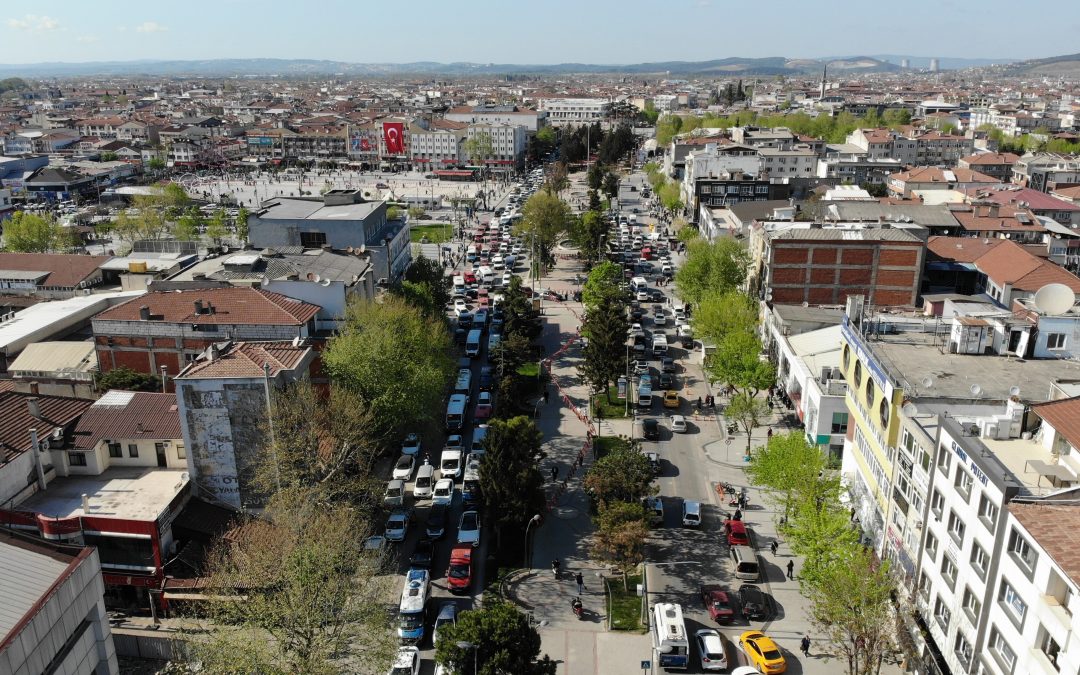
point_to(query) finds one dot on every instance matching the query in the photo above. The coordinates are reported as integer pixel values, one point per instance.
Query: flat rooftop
(128, 493)
(911, 357)
(314, 209)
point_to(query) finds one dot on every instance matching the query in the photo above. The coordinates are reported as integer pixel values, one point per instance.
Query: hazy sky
(539, 31)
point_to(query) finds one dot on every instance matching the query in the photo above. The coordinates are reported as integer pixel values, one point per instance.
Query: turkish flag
(393, 133)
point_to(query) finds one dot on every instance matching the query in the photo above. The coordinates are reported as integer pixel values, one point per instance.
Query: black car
(423, 554)
(755, 606)
(667, 364)
(487, 378)
(656, 296)
(665, 382)
(436, 521)
(651, 429)
(460, 336)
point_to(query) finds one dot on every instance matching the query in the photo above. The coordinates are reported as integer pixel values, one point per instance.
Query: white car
(404, 466)
(678, 424)
(636, 329)
(711, 649)
(407, 662)
(397, 526)
(506, 277)
(642, 296)
(443, 493)
(411, 445)
(469, 529)
(460, 306)
(447, 615)
(450, 464)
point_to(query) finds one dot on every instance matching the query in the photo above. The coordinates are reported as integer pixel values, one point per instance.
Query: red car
(737, 534)
(484, 406)
(459, 574)
(718, 603)
(470, 277)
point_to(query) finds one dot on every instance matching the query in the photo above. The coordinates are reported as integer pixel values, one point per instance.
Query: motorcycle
(555, 568)
(732, 428)
(579, 609)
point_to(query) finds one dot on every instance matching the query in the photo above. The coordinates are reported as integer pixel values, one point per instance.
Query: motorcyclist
(575, 605)
(555, 565)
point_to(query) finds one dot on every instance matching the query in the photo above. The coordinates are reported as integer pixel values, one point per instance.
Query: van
(644, 397)
(737, 534)
(746, 563)
(472, 343)
(459, 285)
(638, 284)
(455, 411)
(464, 380)
(493, 342)
(659, 343)
(485, 274)
(425, 478)
(691, 513)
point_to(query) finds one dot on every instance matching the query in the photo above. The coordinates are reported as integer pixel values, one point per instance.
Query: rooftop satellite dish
(975, 390)
(928, 382)
(909, 410)
(363, 247)
(1054, 299)
(325, 282)
(1014, 390)
(349, 250)
(805, 304)
(317, 278)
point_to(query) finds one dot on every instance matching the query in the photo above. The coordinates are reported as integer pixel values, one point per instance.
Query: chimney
(33, 388)
(144, 313)
(85, 504)
(198, 307)
(34, 407)
(209, 308)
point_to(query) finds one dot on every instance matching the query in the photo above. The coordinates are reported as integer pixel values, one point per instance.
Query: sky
(535, 32)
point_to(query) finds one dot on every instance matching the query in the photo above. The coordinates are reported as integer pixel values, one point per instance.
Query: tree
(670, 197)
(393, 213)
(520, 318)
(587, 232)
(416, 212)
(558, 178)
(394, 357)
(511, 485)
(109, 157)
(242, 224)
(711, 267)
(622, 475)
(215, 227)
(478, 148)
(35, 233)
(156, 164)
(748, 412)
(595, 176)
(543, 218)
(188, 225)
(127, 379)
(294, 595)
(604, 284)
(425, 286)
(605, 354)
(594, 201)
(621, 531)
(499, 640)
(875, 189)
(737, 362)
(611, 185)
(718, 314)
(667, 127)
(790, 466)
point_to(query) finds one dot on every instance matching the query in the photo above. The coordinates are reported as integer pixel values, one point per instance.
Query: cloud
(87, 38)
(704, 3)
(150, 27)
(34, 23)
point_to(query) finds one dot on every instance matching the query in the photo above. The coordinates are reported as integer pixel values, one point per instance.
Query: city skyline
(484, 31)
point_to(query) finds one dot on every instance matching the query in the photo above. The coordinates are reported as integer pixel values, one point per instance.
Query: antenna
(1054, 299)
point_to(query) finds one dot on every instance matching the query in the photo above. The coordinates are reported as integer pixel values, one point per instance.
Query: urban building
(997, 165)
(933, 178)
(49, 275)
(573, 111)
(726, 189)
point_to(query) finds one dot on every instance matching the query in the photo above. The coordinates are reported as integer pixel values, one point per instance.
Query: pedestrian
(546, 394)
(580, 460)
(805, 645)
(774, 546)
(580, 583)
(791, 569)
(554, 474)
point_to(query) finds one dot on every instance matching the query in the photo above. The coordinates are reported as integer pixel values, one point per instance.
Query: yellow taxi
(671, 399)
(762, 652)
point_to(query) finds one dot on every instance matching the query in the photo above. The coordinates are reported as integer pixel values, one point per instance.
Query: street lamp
(534, 519)
(475, 646)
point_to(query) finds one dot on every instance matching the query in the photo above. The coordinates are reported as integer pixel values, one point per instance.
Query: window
(948, 571)
(133, 450)
(972, 607)
(845, 356)
(924, 586)
(931, 545)
(988, 512)
(115, 451)
(937, 503)
(883, 413)
(1001, 649)
(1011, 602)
(76, 459)
(312, 239)
(1048, 646)
(963, 482)
(944, 459)
(1022, 552)
(942, 613)
(979, 560)
(956, 528)
(869, 393)
(839, 423)
(963, 650)
(1055, 341)
(181, 451)
(858, 374)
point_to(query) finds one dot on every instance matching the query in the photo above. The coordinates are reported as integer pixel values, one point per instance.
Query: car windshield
(772, 654)
(468, 521)
(404, 463)
(411, 621)
(459, 571)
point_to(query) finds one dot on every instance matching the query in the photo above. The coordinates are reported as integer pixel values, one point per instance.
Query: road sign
(645, 665)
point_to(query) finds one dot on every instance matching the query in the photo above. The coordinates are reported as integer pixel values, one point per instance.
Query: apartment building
(573, 111)
(507, 144)
(997, 165)
(1045, 172)
(438, 146)
(793, 162)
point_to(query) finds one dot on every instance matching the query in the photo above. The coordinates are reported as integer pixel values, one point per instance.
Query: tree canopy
(499, 640)
(604, 283)
(711, 267)
(622, 475)
(543, 218)
(36, 233)
(605, 354)
(511, 485)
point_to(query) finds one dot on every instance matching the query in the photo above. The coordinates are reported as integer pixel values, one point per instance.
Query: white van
(638, 284)
(485, 274)
(472, 343)
(425, 477)
(450, 464)
(464, 377)
(459, 285)
(497, 262)
(644, 397)
(659, 343)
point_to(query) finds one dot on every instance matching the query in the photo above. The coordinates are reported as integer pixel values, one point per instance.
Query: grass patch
(625, 605)
(606, 444)
(529, 369)
(609, 409)
(437, 233)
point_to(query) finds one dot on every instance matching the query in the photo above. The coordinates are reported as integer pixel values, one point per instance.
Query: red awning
(453, 172)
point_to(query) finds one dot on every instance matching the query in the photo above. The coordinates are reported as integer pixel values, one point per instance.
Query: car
(678, 424)
(469, 528)
(737, 534)
(667, 365)
(641, 367)
(455, 442)
(651, 429)
(654, 462)
(423, 554)
(407, 662)
(487, 375)
(404, 466)
(394, 495)
(665, 381)
(443, 492)
(459, 574)
(436, 520)
(411, 445)
(635, 330)
(382, 186)
(484, 406)
(659, 318)
(762, 652)
(753, 603)
(671, 399)
(642, 296)
(464, 320)
(460, 307)
(450, 464)
(447, 615)
(718, 603)
(397, 526)
(711, 649)
(425, 476)
(691, 513)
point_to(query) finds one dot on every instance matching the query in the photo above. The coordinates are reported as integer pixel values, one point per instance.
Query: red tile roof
(1009, 263)
(16, 420)
(65, 270)
(989, 219)
(126, 415)
(1063, 415)
(246, 359)
(933, 174)
(993, 158)
(960, 249)
(1010, 195)
(232, 306)
(1056, 529)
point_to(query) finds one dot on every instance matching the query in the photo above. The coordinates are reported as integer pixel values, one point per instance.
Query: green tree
(619, 540)
(416, 212)
(711, 267)
(188, 224)
(127, 379)
(605, 354)
(394, 357)
(611, 185)
(557, 179)
(737, 361)
(478, 148)
(494, 640)
(622, 475)
(719, 314)
(594, 201)
(667, 127)
(748, 412)
(604, 284)
(294, 595)
(426, 279)
(35, 233)
(520, 318)
(595, 176)
(543, 218)
(586, 233)
(670, 197)
(393, 213)
(109, 157)
(242, 224)
(511, 485)
(789, 466)
(216, 229)
(156, 164)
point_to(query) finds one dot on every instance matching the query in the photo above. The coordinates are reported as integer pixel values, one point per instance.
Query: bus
(472, 343)
(455, 411)
(470, 487)
(669, 636)
(413, 603)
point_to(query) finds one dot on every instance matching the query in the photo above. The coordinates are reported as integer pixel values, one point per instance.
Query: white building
(574, 111)
(507, 143)
(54, 618)
(716, 160)
(795, 162)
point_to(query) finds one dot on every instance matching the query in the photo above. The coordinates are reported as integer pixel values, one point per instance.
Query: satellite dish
(975, 390)
(1014, 390)
(1054, 299)
(316, 278)
(805, 304)
(349, 250)
(363, 247)
(325, 282)
(909, 410)
(928, 382)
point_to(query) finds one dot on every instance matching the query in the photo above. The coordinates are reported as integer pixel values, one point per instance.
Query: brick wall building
(171, 328)
(822, 266)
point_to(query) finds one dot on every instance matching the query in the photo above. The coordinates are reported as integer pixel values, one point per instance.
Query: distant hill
(922, 62)
(1055, 66)
(732, 67)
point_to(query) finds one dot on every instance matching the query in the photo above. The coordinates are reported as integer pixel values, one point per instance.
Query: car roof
(447, 610)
